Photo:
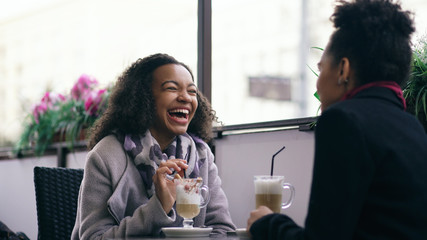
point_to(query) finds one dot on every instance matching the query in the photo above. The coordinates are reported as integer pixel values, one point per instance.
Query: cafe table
(181, 238)
(229, 236)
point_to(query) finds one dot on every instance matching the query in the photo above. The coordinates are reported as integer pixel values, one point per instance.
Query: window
(48, 47)
(260, 48)
(261, 40)
(260, 53)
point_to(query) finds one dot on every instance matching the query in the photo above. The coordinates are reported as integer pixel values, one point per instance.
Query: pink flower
(95, 101)
(38, 110)
(83, 87)
(47, 102)
(51, 98)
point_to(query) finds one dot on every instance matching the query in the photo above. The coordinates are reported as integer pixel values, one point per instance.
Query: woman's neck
(162, 140)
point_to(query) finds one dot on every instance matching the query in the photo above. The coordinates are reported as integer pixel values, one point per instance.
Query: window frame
(204, 48)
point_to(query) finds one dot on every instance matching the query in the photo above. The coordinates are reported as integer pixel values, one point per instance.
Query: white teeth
(184, 111)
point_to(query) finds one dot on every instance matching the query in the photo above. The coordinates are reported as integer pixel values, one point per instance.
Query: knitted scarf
(147, 155)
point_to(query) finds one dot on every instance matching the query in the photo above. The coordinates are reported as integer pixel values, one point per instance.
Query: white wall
(240, 157)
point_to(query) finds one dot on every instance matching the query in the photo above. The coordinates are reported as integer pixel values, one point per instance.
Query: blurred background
(262, 51)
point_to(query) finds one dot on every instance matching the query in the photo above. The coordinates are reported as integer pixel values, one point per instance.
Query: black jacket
(369, 176)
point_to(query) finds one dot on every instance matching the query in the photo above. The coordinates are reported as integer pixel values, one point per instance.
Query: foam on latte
(184, 196)
(268, 186)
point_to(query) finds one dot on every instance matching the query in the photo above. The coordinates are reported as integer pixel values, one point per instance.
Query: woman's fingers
(163, 170)
(169, 167)
(257, 214)
(165, 188)
(174, 164)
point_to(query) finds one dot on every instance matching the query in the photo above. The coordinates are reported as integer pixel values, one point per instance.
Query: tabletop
(181, 238)
(229, 236)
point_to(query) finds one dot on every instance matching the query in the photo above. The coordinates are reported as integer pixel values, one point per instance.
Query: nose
(184, 96)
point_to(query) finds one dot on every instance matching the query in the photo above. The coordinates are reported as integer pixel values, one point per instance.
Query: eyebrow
(169, 81)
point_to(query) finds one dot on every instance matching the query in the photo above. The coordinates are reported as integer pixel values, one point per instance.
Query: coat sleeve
(342, 173)
(94, 218)
(217, 213)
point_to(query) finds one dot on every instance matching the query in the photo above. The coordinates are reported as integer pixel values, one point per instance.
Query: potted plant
(415, 89)
(61, 118)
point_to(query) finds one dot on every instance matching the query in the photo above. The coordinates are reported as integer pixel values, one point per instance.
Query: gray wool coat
(113, 202)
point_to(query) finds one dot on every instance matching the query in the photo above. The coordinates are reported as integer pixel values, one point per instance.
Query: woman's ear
(344, 67)
(346, 75)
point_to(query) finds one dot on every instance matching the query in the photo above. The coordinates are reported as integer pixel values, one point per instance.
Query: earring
(345, 81)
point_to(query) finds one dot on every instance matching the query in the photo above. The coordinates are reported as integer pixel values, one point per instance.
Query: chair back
(57, 191)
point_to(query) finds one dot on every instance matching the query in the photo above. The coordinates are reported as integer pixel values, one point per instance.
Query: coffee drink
(188, 210)
(272, 201)
(189, 199)
(268, 192)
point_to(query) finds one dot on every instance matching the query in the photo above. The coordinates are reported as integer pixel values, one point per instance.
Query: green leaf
(420, 99)
(315, 73)
(419, 63)
(424, 102)
(311, 69)
(319, 48)
(317, 95)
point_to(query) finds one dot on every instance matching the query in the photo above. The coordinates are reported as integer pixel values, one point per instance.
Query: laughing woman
(156, 122)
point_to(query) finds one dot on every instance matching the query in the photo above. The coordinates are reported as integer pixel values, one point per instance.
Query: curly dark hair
(131, 106)
(375, 36)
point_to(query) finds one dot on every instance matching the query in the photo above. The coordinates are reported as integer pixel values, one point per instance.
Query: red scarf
(387, 84)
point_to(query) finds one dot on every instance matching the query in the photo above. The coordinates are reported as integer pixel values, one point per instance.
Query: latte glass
(268, 192)
(191, 195)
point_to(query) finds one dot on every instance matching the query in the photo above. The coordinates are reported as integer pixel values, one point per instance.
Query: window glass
(49, 46)
(262, 44)
(262, 52)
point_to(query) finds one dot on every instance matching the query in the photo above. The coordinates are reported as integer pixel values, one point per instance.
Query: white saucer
(186, 232)
(241, 232)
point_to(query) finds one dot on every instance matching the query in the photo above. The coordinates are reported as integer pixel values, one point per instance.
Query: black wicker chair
(57, 191)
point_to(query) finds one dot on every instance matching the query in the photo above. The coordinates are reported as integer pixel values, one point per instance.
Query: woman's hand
(256, 214)
(165, 188)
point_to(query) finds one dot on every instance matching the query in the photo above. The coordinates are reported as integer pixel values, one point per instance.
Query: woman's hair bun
(373, 17)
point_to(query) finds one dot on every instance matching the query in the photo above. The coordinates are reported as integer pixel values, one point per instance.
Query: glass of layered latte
(191, 195)
(268, 192)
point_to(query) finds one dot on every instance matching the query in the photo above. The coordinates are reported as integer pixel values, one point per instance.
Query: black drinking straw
(272, 160)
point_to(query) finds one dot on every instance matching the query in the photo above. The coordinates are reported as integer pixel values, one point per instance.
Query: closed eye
(170, 85)
(192, 91)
